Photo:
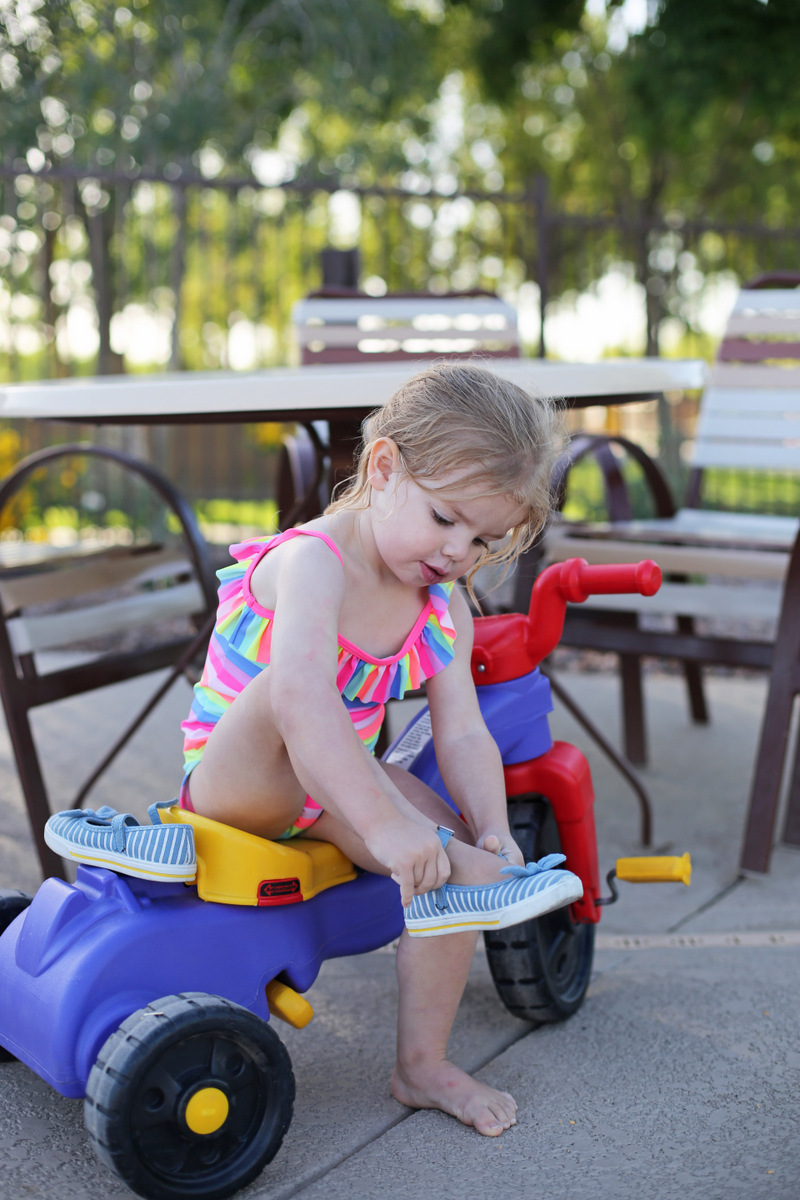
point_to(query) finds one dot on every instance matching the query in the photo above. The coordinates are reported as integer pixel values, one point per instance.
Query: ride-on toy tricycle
(154, 1000)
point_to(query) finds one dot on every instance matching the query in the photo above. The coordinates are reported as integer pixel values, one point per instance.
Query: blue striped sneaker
(531, 891)
(107, 838)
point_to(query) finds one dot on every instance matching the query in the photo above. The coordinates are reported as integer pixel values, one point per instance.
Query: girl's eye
(480, 542)
(439, 519)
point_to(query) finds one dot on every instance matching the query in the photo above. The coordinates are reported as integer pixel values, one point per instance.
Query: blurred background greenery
(172, 171)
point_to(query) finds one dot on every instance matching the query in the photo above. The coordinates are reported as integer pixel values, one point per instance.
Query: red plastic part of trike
(507, 647)
(513, 644)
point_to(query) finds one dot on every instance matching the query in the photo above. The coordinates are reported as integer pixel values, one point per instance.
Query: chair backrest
(342, 325)
(750, 412)
(92, 606)
(348, 327)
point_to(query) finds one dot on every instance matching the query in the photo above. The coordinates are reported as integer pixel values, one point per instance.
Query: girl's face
(437, 533)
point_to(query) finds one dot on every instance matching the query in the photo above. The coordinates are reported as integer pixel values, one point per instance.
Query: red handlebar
(574, 581)
(510, 646)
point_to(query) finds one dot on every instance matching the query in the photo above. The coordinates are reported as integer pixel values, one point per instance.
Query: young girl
(319, 626)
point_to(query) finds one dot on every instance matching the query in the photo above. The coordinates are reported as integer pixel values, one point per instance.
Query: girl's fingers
(406, 892)
(428, 876)
(423, 874)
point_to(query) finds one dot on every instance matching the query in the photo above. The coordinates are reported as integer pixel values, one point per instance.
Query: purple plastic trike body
(84, 956)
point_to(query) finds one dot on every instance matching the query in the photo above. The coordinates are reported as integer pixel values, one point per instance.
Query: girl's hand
(413, 855)
(500, 841)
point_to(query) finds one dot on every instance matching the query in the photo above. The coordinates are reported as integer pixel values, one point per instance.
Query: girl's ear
(384, 460)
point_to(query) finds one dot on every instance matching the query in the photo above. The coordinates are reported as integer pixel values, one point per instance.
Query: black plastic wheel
(12, 903)
(541, 968)
(191, 1097)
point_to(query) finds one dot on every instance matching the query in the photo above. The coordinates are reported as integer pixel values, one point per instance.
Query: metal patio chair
(101, 609)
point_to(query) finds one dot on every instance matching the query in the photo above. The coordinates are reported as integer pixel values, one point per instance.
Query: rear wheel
(12, 903)
(541, 968)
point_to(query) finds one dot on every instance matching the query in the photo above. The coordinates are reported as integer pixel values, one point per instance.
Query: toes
(491, 1125)
(499, 1117)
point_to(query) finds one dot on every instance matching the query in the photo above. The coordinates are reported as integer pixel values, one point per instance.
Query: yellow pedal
(671, 868)
(289, 1005)
(234, 867)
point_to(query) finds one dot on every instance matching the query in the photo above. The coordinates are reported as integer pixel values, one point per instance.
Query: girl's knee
(429, 802)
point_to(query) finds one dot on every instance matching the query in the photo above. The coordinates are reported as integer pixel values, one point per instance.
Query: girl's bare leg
(432, 973)
(245, 779)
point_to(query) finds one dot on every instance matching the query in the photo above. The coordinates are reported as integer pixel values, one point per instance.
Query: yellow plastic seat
(234, 867)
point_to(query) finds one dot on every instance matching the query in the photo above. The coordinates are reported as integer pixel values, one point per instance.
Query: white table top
(305, 393)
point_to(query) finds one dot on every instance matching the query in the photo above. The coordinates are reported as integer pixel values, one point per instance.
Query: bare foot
(445, 1086)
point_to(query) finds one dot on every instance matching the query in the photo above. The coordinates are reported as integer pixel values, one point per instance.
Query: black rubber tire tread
(541, 968)
(12, 903)
(154, 1049)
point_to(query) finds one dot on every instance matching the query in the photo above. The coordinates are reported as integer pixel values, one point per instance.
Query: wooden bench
(740, 568)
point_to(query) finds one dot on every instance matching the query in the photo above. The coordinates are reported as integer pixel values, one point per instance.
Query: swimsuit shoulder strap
(290, 533)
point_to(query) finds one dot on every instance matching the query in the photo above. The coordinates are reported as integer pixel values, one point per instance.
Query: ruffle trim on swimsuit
(240, 648)
(427, 650)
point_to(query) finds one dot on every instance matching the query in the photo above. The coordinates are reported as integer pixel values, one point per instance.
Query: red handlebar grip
(579, 580)
(648, 577)
(575, 581)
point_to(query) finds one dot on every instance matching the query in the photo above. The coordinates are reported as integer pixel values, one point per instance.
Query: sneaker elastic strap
(439, 896)
(444, 835)
(153, 813)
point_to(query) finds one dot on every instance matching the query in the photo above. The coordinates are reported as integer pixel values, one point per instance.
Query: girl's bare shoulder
(311, 559)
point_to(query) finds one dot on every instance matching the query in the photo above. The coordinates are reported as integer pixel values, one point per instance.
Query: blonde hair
(456, 417)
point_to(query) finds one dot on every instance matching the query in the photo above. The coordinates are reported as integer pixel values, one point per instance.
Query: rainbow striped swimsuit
(240, 645)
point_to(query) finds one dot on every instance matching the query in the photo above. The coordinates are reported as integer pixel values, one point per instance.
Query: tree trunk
(177, 267)
(99, 225)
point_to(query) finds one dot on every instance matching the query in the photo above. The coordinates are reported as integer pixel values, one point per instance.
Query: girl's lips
(430, 574)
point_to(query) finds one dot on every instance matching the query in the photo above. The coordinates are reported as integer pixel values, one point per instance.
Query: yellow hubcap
(207, 1111)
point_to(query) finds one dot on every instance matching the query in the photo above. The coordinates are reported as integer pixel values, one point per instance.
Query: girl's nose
(456, 547)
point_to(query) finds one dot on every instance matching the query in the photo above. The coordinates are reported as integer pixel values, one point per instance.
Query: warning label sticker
(412, 742)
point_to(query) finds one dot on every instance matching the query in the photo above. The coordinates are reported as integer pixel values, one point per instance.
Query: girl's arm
(466, 752)
(327, 756)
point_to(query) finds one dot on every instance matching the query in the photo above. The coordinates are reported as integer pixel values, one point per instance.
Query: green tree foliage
(694, 118)
(714, 100)
(156, 82)
(700, 109)
(516, 32)
(179, 90)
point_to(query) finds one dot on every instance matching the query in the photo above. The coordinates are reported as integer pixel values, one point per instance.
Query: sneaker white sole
(163, 872)
(566, 891)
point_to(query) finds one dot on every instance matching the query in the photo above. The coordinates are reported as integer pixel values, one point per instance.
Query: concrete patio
(679, 1078)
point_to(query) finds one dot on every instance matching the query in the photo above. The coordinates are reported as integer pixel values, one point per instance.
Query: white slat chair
(738, 567)
(80, 617)
(340, 325)
(403, 328)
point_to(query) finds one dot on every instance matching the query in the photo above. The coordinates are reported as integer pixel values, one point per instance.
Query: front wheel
(191, 1097)
(541, 968)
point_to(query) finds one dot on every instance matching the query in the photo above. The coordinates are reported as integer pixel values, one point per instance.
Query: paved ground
(679, 1077)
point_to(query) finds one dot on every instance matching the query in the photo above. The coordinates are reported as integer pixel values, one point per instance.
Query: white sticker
(412, 742)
